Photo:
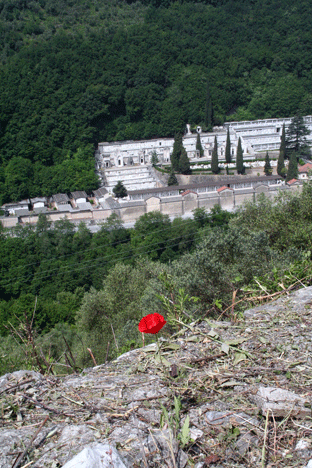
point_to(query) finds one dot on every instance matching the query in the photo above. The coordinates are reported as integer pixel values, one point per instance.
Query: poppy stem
(143, 339)
(158, 349)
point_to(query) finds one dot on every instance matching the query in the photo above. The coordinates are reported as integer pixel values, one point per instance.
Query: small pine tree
(199, 146)
(267, 166)
(172, 179)
(214, 159)
(120, 190)
(239, 158)
(228, 147)
(184, 163)
(154, 159)
(281, 170)
(292, 172)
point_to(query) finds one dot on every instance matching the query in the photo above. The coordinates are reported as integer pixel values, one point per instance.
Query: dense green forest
(92, 289)
(78, 72)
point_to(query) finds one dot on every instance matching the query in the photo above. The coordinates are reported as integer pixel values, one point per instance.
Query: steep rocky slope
(244, 388)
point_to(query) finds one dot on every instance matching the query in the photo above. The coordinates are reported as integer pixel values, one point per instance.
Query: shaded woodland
(75, 73)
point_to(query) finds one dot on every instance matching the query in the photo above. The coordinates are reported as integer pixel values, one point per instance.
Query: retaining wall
(176, 205)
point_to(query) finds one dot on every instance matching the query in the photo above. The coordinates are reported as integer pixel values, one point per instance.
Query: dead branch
(20, 384)
(92, 357)
(19, 460)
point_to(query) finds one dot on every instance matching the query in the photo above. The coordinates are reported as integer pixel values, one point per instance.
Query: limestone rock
(130, 404)
(281, 402)
(97, 456)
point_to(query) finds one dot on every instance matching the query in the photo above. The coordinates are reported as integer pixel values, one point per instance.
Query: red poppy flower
(151, 323)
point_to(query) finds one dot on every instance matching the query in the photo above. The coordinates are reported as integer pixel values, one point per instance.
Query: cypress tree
(214, 159)
(184, 162)
(267, 166)
(199, 146)
(228, 147)
(172, 179)
(176, 153)
(292, 172)
(281, 170)
(239, 158)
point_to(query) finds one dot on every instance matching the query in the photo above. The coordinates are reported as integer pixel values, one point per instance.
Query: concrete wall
(81, 215)
(132, 213)
(176, 205)
(226, 199)
(190, 202)
(240, 196)
(209, 201)
(152, 204)
(9, 222)
(172, 206)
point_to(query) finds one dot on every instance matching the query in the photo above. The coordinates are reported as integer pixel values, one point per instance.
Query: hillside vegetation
(93, 289)
(75, 73)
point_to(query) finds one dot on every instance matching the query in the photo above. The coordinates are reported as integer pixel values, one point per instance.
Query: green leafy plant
(173, 421)
(176, 305)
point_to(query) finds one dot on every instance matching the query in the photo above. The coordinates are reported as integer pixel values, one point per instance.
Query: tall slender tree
(296, 137)
(172, 179)
(214, 160)
(199, 146)
(281, 170)
(176, 152)
(239, 158)
(184, 162)
(267, 166)
(228, 147)
(292, 172)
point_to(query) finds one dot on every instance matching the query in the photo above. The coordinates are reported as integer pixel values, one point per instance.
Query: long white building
(256, 136)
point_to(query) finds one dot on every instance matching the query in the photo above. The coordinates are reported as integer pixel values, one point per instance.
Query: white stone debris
(281, 402)
(96, 456)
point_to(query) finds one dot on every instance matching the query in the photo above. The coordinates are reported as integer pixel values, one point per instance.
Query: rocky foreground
(217, 395)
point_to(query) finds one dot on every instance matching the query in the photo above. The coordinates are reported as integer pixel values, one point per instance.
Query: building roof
(220, 182)
(305, 168)
(100, 192)
(221, 189)
(18, 204)
(60, 198)
(41, 209)
(118, 143)
(293, 181)
(187, 192)
(110, 204)
(22, 212)
(132, 203)
(38, 200)
(171, 199)
(65, 207)
(78, 194)
(85, 206)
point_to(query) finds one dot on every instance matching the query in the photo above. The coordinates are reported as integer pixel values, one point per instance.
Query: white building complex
(114, 160)
(256, 136)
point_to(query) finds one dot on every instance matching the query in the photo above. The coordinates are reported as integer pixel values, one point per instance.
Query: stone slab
(281, 402)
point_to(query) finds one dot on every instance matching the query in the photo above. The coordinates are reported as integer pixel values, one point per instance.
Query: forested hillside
(75, 73)
(93, 289)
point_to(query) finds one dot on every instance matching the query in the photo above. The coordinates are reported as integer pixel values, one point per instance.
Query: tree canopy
(75, 73)
(295, 140)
